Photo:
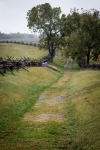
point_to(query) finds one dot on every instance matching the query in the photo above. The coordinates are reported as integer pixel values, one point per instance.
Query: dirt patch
(51, 98)
(49, 117)
(50, 106)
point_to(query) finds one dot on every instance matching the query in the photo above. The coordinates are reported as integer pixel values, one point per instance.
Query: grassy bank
(17, 95)
(82, 110)
(46, 110)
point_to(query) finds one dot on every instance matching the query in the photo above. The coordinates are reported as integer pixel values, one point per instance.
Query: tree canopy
(78, 34)
(83, 35)
(49, 22)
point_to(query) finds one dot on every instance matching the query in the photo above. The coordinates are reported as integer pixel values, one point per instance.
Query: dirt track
(50, 104)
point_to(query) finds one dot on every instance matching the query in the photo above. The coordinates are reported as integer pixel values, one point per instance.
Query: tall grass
(19, 94)
(18, 51)
(83, 108)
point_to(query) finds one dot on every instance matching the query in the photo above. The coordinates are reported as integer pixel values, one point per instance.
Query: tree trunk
(88, 55)
(51, 57)
(51, 49)
(51, 52)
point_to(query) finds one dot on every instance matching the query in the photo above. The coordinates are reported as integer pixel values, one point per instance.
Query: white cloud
(13, 12)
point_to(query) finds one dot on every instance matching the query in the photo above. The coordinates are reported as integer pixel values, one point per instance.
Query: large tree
(83, 35)
(49, 22)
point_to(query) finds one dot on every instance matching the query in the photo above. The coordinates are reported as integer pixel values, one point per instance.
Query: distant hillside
(17, 35)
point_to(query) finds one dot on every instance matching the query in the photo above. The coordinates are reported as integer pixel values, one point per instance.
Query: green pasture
(19, 50)
(20, 104)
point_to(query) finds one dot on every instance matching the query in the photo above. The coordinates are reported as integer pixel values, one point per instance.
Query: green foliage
(83, 35)
(77, 34)
(49, 22)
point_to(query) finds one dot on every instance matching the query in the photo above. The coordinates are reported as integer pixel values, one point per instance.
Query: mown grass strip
(19, 93)
(83, 110)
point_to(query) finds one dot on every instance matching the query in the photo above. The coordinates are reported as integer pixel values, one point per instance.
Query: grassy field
(46, 110)
(18, 51)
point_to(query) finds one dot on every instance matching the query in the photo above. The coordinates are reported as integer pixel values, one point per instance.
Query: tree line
(16, 35)
(76, 34)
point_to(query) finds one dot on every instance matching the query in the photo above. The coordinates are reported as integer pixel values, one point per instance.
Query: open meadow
(46, 110)
(19, 50)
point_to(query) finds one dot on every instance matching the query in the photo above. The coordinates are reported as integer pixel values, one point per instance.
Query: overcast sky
(13, 12)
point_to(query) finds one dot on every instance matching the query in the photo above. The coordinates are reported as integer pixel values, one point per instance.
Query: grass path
(50, 106)
(47, 118)
(65, 115)
(40, 128)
